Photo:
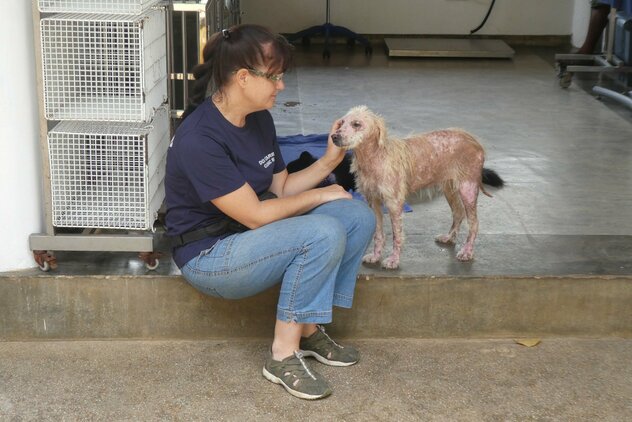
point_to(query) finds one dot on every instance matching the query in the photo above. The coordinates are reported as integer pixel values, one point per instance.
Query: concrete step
(396, 380)
(47, 307)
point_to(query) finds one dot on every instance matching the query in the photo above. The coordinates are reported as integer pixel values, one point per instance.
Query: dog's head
(359, 125)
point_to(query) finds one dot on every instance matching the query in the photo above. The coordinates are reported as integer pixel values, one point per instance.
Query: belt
(226, 225)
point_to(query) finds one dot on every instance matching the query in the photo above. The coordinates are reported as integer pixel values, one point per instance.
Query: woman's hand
(332, 192)
(334, 153)
(284, 184)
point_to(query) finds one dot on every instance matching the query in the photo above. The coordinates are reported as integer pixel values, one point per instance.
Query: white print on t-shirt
(267, 160)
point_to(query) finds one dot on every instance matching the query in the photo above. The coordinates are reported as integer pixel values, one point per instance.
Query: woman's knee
(330, 232)
(350, 212)
(366, 216)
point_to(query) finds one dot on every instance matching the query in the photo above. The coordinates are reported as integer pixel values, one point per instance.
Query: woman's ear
(242, 76)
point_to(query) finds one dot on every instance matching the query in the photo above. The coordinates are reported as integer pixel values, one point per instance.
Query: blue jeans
(315, 257)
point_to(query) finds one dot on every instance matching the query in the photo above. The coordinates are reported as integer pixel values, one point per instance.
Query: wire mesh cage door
(108, 175)
(126, 7)
(104, 67)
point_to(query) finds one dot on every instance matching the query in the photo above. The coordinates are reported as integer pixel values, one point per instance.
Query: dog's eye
(356, 125)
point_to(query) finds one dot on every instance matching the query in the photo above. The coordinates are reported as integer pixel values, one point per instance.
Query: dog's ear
(380, 129)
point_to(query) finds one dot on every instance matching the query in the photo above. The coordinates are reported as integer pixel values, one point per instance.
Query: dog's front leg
(395, 212)
(378, 237)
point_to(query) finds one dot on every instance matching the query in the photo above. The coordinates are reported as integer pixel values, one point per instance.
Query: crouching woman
(232, 238)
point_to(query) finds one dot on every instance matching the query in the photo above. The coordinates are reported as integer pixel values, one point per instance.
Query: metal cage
(108, 175)
(104, 107)
(104, 67)
(128, 7)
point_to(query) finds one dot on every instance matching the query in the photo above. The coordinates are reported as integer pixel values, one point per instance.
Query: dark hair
(241, 46)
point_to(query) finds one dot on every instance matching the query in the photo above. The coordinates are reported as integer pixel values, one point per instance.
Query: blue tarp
(292, 146)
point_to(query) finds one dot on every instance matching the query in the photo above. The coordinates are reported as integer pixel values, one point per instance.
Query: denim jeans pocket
(220, 249)
(201, 280)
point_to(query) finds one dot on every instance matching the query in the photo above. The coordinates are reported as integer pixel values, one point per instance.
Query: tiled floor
(566, 158)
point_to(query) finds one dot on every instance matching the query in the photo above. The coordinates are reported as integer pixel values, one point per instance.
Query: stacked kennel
(105, 124)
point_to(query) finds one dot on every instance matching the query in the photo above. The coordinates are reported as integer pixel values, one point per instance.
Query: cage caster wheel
(150, 259)
(565, 79)
(45, 260)
(153, 266)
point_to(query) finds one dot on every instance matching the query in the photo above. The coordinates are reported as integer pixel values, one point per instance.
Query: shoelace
(322, 330)
(299, 356)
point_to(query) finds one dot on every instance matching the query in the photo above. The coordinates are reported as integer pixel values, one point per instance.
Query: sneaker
(296, 377)
(320, 346)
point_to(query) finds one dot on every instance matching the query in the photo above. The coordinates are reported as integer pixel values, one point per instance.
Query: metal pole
(612, 22)
(43, 123)
(185, 75)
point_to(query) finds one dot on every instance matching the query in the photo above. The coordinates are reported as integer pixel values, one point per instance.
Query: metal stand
(606, 63)
(328, 30)
(82, 238)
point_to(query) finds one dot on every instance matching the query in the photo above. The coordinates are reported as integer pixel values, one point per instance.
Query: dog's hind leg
(468, 191)
(378, 237)
(395, 211)
(458, 213)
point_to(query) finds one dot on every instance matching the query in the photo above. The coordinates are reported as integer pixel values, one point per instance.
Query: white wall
(509, 17)
(20, 174)
(581, 16)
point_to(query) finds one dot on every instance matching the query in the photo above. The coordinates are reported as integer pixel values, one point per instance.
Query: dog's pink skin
(378, 238)
(388, 169)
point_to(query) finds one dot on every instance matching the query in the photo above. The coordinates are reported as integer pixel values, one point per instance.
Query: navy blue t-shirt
(210, 157)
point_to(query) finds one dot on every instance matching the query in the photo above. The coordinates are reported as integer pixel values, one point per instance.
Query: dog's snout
(337, 138)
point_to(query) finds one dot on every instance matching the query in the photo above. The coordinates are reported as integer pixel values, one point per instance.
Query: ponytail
(242, 46)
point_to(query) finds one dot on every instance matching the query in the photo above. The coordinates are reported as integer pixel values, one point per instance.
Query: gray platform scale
(448, 47)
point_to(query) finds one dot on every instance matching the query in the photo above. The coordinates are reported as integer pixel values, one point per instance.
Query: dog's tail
(491, 178)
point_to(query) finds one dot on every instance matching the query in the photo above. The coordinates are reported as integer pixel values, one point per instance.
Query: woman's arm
(285, 184)
(295, 192)
(244, 206)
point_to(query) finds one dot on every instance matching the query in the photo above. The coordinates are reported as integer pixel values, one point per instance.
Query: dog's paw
(370, 258)
(445, 239)
(391, 263)
(465, 255)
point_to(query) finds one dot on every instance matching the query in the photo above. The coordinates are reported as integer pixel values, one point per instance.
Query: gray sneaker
(320, 346)
(296, 377)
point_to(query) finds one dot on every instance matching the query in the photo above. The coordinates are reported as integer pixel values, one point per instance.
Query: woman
(230, 241)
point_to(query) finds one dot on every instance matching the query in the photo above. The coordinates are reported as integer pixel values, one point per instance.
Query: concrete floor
(566, 158)
(396, 380)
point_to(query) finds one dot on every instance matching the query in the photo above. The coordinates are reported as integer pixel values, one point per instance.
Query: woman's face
(264, 87)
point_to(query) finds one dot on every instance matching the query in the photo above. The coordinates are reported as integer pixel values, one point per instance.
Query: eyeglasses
(274, 78)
